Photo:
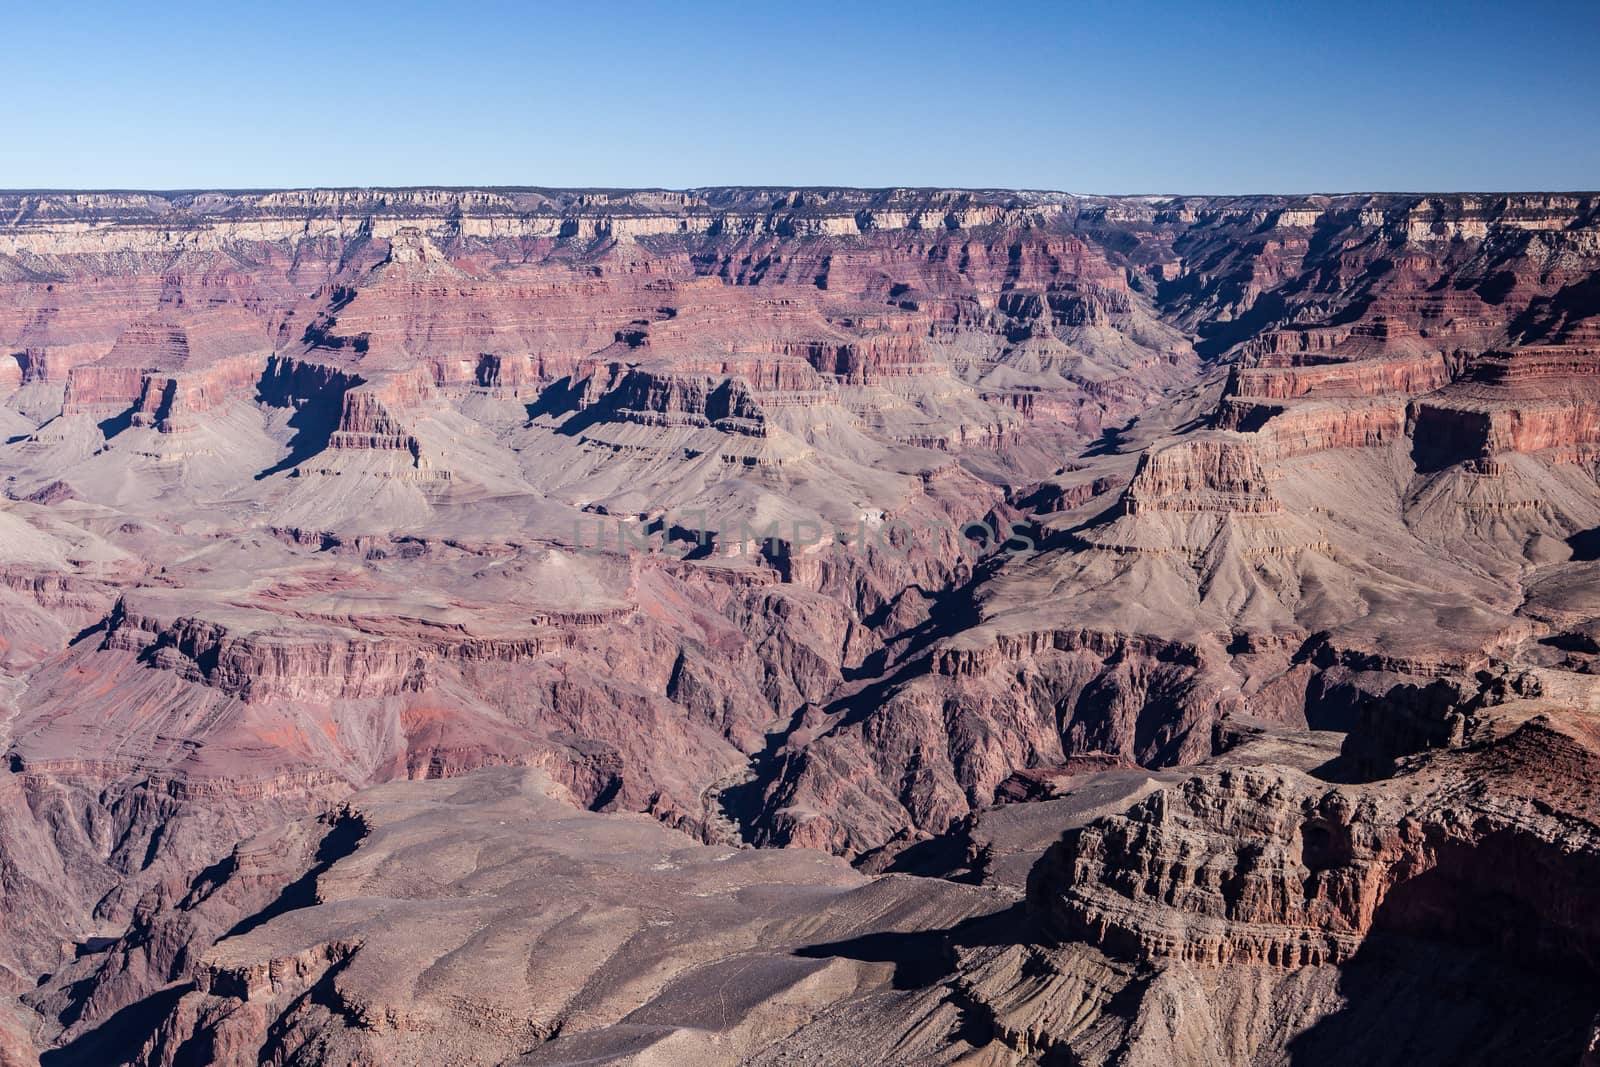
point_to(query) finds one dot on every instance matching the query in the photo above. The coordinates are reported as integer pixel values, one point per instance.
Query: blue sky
(1119, 97)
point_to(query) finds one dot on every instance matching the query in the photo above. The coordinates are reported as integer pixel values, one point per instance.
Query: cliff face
(1202, 475)
(178, 401)
(786, 517)
(1264, 878)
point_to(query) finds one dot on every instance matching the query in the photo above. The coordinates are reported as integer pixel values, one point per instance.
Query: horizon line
(758, 186)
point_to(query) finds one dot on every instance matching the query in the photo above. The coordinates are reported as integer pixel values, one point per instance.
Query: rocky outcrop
(1537, 399)
(1307, 429)
(102, 390)
(288, 382)
(1203, 475)
(172, 403)
(373, 414)
(887, 354)
(1359, 378)
(652, 397)
(265, 665)
(1264, 867)
(507, 374)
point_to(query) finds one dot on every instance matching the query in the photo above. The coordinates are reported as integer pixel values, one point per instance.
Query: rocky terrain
(798, 626)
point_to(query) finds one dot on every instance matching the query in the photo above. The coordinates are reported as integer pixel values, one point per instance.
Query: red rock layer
(1535, 399)
(97, 390)
(178, 401)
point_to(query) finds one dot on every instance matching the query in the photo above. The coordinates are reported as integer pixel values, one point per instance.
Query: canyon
(778, 626)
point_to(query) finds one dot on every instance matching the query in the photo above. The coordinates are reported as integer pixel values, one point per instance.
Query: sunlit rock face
(1229, 564)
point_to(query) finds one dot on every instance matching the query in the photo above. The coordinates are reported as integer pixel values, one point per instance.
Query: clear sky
(1116, 97)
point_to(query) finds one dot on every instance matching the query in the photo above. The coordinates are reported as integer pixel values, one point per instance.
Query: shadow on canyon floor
(1415, 1003)
(923, 957)
(120, 1036)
